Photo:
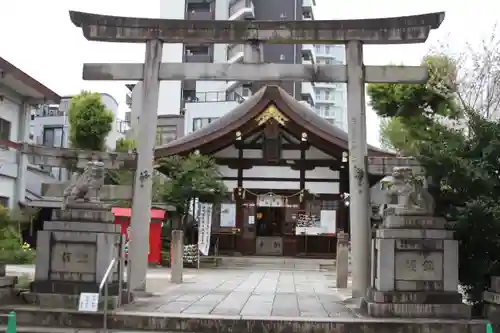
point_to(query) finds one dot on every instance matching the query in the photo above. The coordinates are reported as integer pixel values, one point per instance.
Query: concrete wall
(172, 120)
(115, 134)
(36, 177)
(203, 110)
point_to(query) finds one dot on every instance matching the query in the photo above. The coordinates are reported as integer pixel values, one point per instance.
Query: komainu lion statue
(408, 192)
(82, 186)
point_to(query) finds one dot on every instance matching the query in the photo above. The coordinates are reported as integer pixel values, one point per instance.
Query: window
(202, 122)
(197, 50)
(4, 129)
(328, 112)
(318, 95)
(198, 6)
(327, 95)
(4, 201)
(53, 137)
(328, 49)
(189, 95)
(318, 48)
(165, 134)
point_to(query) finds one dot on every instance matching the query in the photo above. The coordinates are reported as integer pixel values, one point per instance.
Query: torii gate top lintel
(392, 30)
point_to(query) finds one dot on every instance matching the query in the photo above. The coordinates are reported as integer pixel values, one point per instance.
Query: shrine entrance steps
(229, 301)
(267, 263)
(66, 322)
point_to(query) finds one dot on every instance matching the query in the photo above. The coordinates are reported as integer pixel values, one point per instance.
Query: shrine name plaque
(419, 266)
(74, 258)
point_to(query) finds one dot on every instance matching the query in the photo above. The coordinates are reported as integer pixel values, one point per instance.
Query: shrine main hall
(287, 172)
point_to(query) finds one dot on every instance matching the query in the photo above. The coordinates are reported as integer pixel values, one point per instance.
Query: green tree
(187, 178)
(125, 145)
(12, 249)
(448, 122)
(90, 122)
(394, 136)
(121, 177)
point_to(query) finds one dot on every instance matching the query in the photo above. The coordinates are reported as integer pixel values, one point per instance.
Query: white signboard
(328, 221)
(204, 226)
(228, 215)
(89, 302)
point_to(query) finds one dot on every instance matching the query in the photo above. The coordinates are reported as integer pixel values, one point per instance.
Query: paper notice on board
(251, 220)
(329, 221)
(228, 215)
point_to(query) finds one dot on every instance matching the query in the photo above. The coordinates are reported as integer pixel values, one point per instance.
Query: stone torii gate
(353, 33)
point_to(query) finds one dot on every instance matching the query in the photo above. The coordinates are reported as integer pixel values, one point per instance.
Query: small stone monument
(342, 263)
(77, 245)
(414, 259)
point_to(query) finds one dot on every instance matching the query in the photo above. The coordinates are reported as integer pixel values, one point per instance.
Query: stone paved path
(250, 293)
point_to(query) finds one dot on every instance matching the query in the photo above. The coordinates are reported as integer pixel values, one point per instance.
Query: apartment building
(331, 98)
(200, 102)
(50, 127)
(19, 94)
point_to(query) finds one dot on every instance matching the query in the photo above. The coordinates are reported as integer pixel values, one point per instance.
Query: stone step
(59, 321)
(276, 263)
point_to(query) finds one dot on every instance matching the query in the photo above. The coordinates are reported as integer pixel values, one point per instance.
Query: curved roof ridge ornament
(392, 30)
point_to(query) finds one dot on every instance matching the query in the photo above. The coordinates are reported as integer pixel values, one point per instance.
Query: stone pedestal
(73, 252)
(342, 263)
(491, 299)
(7, 284)
(177, 252)
(415, 269)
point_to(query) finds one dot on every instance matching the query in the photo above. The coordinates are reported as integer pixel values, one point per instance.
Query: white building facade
(50, 127)
(202, 101)
(331, 98)
(19, 95)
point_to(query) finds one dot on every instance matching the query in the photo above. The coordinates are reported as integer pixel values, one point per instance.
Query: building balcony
(203, 58)
(242, 89)
(234, 53)
(214, 96)
(200, 15)
(335, 86)
(122, 126)
(128, 99)
(241, 9)
(333, 53)
(307, 93)
(307, 7)
(309, 53)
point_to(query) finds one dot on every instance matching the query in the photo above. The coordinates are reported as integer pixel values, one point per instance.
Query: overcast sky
(38, 37)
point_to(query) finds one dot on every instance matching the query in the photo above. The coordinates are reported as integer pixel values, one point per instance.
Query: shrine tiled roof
(300, 113)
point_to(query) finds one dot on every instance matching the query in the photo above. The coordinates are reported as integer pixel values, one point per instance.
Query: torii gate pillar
(358, 176)
(141, 202)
